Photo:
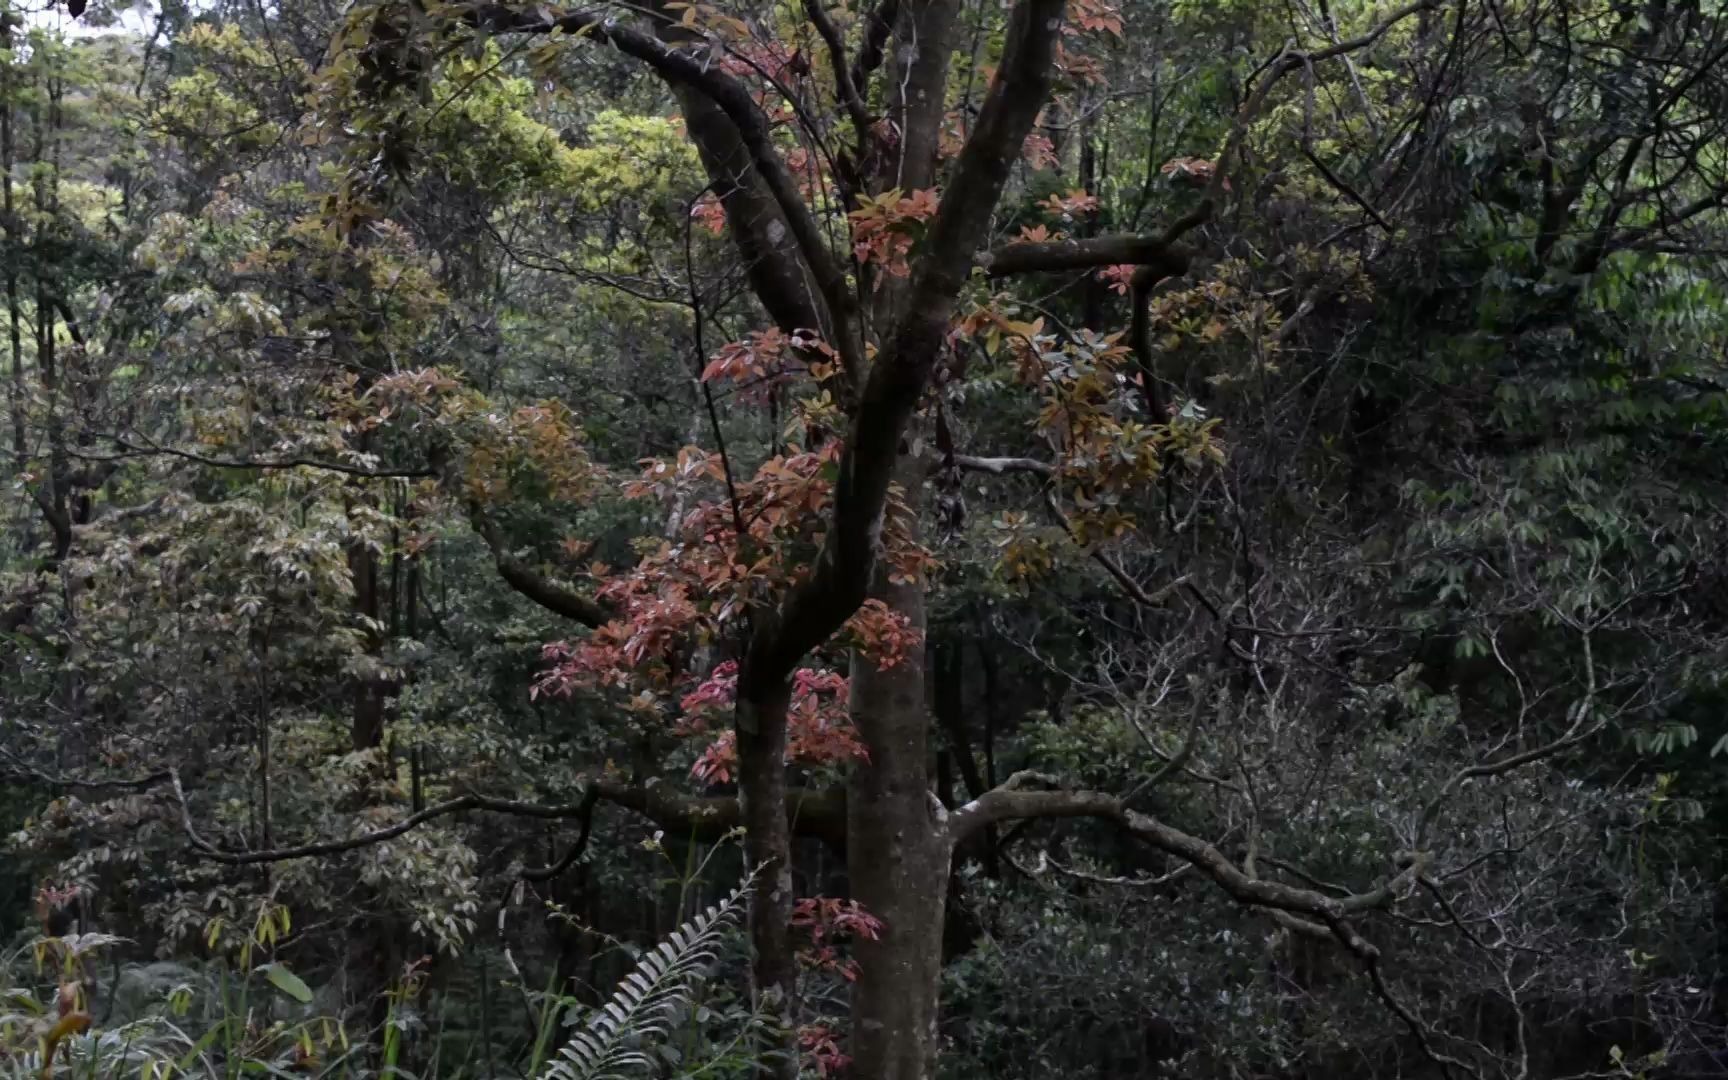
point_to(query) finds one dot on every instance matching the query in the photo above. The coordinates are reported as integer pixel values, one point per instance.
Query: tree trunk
(367, 729)
(15, 244)
(761, 723)
(897, 854)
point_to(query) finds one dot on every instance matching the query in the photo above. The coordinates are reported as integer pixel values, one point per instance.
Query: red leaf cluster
(885, 226)
(822, 1050)
(766, 358)
(1120, 277)
(1073, 204)
(1095, 16)
(830, 922)
(819, 732)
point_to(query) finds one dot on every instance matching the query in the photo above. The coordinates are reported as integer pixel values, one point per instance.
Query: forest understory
(864, 539)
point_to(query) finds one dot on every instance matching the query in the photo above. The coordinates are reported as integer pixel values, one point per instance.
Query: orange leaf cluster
(885, 226)
(1191, 171)
(1075, 203)
(1038, 151)
(708, 213)
(768, 357)
(1095, 16)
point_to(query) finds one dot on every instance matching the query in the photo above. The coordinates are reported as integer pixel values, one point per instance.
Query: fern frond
(608, 1044)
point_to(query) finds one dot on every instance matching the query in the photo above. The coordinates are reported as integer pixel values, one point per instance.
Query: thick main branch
(1016, 800)
(554, 597)
(1026, 257)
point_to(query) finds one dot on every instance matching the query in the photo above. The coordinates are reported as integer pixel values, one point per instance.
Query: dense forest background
(878, 538)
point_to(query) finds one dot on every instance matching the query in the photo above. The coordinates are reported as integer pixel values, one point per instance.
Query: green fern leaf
(606, 1046)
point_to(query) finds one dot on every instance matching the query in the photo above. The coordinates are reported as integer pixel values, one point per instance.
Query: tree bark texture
(761, 722)
(897, 853)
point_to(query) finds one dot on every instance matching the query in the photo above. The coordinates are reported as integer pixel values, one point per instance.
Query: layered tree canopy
(880, 538)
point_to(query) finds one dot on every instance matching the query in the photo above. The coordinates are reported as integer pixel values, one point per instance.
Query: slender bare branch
(21, 771)
(134, 450)
(814, 813)
(1574, 735)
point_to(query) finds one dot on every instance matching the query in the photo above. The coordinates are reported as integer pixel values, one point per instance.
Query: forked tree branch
(728, 93)
(1287, 60)
(1015, 799)
(1162, 257)
(840, 578)
(819, 813)
(1577, 733)
(1303, 910)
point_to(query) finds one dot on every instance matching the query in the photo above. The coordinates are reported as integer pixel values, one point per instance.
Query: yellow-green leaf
(288, 982)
